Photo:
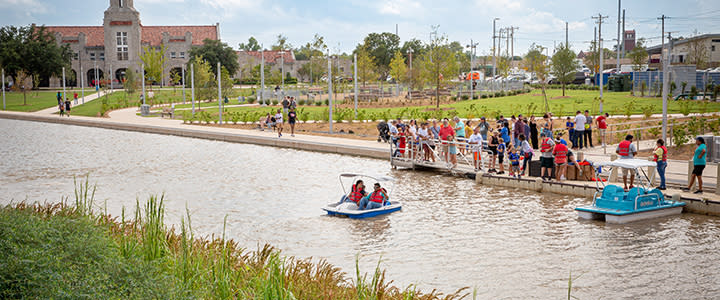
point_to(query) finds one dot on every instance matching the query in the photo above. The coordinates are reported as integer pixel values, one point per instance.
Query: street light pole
(143, 83)
(219, 79)
(472, 47)
(3, 87)
(192, 87)
(64, 96)
(494, 57)
(282, 68)
(410, 53)
(182, 70)
(262, 75)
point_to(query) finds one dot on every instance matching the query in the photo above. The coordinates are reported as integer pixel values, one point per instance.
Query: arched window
(121, 3)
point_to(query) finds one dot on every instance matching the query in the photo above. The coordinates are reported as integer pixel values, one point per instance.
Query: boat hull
(350, 210)
(620, 217)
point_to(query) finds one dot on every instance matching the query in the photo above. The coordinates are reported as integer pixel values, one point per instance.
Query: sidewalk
(55, 109)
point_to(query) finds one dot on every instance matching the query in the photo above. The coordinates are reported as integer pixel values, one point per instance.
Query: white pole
(601, 61)
(111, 77)
(3, 87)
(192, 87)
(619, 21)
(64, 96)
(262, 75)
(219, 79)
(356, 86)
(282, 67)
(143, 83)
(330, 99)
(182, 70)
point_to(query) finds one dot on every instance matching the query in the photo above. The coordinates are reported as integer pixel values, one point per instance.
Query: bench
(168, 111)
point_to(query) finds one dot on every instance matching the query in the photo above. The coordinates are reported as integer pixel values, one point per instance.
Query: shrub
(679, 135)
(326, 102)
(318, 103)
(251, 99)
(685, 107)
(463, 97)
(301, 102)
(648, 110)
(275, 102)
(693, 92)
(483, 96)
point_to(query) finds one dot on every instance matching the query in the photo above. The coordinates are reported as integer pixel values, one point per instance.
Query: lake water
(507, 243)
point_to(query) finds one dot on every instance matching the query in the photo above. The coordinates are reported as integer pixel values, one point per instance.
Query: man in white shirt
(279, 122)
(476, 141)
(579, 129)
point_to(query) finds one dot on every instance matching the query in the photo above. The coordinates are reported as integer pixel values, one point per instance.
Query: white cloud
(503, 5)
(399, 7)
(29, 7)
(232, 4)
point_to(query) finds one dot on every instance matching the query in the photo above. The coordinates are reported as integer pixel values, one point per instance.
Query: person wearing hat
(626, 150)
(699, 162)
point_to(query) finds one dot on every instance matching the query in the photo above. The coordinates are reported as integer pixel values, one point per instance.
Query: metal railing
(439, 152)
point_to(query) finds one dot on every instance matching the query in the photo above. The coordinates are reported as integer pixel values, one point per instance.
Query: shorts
(602, 131)
(625, 172)
(698, 170)
(516, 168)
(546, 162)
(501, 158)
(493, 149)
(291, 122)
(477, 155)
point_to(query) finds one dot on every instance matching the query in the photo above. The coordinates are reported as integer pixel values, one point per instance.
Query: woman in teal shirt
(699, 162)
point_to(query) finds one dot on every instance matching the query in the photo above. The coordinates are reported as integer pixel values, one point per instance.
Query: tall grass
(151, 261)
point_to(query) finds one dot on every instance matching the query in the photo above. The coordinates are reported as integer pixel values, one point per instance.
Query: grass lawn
(615, 103)
(115, 100)
(36, 100)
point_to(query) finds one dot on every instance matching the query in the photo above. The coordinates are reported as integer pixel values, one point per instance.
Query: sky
(344, 23)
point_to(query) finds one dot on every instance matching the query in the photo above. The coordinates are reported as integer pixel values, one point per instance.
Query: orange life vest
(624, 148)
(355, 195)
(560, 154)
(377, 196)
(664, 155)
(545, 147)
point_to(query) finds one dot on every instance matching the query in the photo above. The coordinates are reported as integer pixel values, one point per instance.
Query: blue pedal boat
(350, 209)
(614, 205)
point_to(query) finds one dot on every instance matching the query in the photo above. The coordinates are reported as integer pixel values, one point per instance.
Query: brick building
(115, 47)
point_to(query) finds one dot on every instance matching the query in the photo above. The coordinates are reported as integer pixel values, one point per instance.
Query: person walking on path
(279, 122)
(588, 130)
(602, 126)
(579, 129)
(61, 107)
(67, 107)
(75, 96)
(533, 133)
(285, 105)
(293, 103)
(660, 157)
(292, 118)
(546, 156)
(699, 162)
(626, 149)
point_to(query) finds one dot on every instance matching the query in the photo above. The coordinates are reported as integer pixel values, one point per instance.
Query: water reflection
(509, 243)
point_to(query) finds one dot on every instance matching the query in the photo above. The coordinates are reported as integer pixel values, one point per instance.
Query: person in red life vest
(376, 199)
(357, 193)
(560, 152)
(660, 157)
(402, 141)
(546, 156)
(626, 150)
(446, 132)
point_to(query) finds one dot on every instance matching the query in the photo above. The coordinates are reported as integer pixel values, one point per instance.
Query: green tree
(564, 65)
(536, 63)
(698, 53)
(214, 51)
(316, 47)
(313, 69)
(417, 47)
(252, 45)
(33, 51)
(639, 55)
(204, 79)
(130, 81)
(438, 63)
(382, 47)
(281, 43)
(398, 69)
(365, 64)
(154, 59)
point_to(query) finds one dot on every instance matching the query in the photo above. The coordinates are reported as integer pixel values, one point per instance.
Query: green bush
(484, 96)
(463, 97)
(680, 136)
(251, 99)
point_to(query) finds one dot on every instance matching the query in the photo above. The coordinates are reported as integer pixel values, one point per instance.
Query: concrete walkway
(88, 98)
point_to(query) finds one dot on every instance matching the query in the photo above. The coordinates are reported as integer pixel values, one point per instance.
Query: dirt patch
(361, 131)
(684, 152)
(537, 95)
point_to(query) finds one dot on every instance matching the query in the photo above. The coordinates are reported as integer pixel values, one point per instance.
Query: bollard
(717, 179)
(479, 177)
(651, 171)
(690, 169)
(614, 173)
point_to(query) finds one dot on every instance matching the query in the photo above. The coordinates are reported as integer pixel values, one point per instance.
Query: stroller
(383, 132)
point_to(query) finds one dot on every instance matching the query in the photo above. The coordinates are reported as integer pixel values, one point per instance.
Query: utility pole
(512, 42)
(666, 79)
(192, 87)
(600, 18)
(507, 41)
(494, 57)
(662, 37)
(567, 42)
(595, 51)
(330, 99)
(617, 48)
(355, 83)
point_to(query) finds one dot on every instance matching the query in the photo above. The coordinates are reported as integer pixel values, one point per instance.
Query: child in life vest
(514, 163)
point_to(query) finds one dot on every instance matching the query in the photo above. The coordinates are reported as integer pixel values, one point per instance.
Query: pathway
(54, 109)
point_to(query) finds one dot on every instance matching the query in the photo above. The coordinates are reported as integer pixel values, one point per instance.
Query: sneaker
(661, 188)
(500, 173)
(292, 135)
(685, 189)
(563, 178)
(698, 192)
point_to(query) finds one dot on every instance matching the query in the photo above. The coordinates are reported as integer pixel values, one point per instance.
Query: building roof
(153, 34)
(581, 55)
(271, 56)
(658, 48)
(150, 34)
(95, 35)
